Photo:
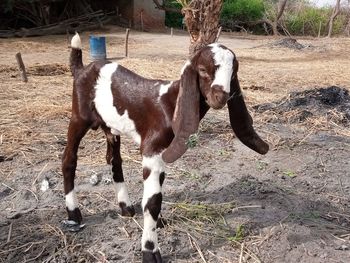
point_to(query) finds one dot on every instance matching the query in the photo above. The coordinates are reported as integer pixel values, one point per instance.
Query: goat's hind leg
(76, 131)
(113, 157)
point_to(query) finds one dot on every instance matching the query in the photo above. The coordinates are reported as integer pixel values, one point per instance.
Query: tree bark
(202, 21)
(280, 10)
(335, 13)
(347, 29)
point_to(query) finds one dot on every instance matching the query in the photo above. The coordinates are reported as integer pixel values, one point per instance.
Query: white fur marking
(71, 200)
(151, 184)
(122, 193)
(224, 59)
(76, 41)
(104, 105)
(164, 89)
(188, 62)
(149, 232)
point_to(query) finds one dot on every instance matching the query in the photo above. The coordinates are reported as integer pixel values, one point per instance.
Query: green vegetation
(238, 237)
(310, 20)
(192, 140)
(203, 212)
(300, 17)
(261, 165)
(173, 19)
(242, 10)
(289, 173)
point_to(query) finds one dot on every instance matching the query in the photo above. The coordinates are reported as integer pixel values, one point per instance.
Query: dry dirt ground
(222, 201)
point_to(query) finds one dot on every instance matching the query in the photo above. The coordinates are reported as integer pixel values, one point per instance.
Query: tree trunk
(274, 26)
(347, 29)
(274, 20)
(202, 21)
(281, 6)
(335, 13)
(280, 9)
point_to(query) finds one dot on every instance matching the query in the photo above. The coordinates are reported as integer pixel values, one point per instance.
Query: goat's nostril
(221, 98)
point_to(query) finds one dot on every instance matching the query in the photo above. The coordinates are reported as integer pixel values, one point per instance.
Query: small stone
(343, 247)
(94, 180)
(106, 179)
(44, 186)
(85, 202)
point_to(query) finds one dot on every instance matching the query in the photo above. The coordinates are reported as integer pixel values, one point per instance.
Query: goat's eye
(202, 71)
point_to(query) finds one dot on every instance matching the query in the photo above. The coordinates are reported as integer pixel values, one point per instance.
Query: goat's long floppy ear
(186, 115)
(240, 119)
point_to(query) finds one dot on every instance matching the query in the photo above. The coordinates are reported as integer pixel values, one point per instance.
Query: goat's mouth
(217, 100)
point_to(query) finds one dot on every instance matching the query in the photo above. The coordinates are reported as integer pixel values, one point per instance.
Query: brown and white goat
(159, 115)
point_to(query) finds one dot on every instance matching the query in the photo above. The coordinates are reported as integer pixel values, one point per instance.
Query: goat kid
(159, 115)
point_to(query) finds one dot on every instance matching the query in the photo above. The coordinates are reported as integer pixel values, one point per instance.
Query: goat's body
(126, 103)
(158, 115)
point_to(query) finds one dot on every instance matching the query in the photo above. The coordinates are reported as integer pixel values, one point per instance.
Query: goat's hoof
(74, 215)
(161, 222)
(128, 211)
(72, 226)
(151, 257)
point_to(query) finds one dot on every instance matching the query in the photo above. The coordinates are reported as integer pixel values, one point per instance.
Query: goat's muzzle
(217, 97)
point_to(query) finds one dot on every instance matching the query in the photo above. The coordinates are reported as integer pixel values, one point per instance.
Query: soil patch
(332, 102)
(291, 43)
(48, 70)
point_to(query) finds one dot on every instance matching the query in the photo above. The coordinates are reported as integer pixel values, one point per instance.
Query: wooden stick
(172, 31)
(21, 67)
(319, 30)
(141, 17)
(127, 42)
(10, 233)
(68, 39)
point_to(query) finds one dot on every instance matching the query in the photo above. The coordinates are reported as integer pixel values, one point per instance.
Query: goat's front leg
(76, 131)
(113, 157)
(153, 175)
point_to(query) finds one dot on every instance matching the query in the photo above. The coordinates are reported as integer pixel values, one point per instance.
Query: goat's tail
(76, 56)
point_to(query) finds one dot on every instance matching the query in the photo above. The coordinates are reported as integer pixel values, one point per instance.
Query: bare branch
(335, 13)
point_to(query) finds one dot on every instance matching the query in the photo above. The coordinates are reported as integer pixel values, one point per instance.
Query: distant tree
(335, 13)
(202, 19)
(273, 14)
(347, 28)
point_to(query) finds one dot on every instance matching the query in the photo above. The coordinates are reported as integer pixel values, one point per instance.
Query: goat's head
(216, 66)
(211, 73)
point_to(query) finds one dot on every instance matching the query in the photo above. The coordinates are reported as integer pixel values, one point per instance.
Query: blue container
(97, 48)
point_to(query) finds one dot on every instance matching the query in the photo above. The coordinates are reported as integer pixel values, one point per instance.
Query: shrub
(242, 10)
(173, 19)
(308, 19)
